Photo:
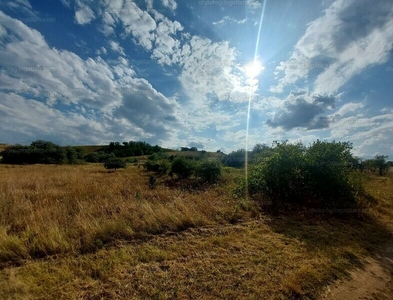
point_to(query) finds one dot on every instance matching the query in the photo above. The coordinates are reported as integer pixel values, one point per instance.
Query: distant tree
(71, 155)
(39, 152)
(114, 163)
(235, 159)
(381, 164)
(131, 148)
(260, 152)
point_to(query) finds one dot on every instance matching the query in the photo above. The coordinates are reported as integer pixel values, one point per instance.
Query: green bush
(280, 177)
(39, 152)
(151, 165)
(114, 163)
(98, 157)
(210, 171)
(235, 159)
(182, 167)
(318, 175)
(164, 166)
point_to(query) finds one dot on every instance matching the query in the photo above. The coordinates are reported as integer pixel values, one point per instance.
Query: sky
(178, 73)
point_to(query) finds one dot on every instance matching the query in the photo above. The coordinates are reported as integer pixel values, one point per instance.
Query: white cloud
(149, 4)
(171, 4)
(228, 19)
(66, 3)
(115, 46)
(84, 15)
(26, 120)
(341, 44)
(102, 50)
(36, 77)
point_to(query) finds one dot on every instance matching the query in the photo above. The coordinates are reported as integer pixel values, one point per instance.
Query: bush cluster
(183, 167)
(318, 175)
(114, 163)
(131, 148)
(98, 157)
(41, 152)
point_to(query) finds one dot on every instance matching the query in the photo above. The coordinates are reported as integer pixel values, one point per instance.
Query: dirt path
(374, 281)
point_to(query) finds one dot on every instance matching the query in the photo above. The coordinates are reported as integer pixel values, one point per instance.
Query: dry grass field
(82, 232)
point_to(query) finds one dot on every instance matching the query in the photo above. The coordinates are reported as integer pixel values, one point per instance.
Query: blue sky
(174, 73)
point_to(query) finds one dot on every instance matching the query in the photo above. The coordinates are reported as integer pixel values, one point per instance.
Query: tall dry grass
(47, 209)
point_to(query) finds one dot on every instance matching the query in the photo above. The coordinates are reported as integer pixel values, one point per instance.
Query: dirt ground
(374, 281)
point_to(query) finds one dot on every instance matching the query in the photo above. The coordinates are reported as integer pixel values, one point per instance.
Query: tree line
(45, 152)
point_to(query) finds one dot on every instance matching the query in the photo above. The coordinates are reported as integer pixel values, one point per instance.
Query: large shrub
(281, 176)
(318, 175)
(210, 171)
(182, 167)
(327, 170)
(114, 163)
(98, 157)
(161, 166)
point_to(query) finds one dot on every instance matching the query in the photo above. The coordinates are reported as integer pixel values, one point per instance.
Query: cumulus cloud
(36, 78)
(84, 15)
(171, 4)
(115, 46)
(148, 110)
(28, 119)
(303, 109)
(350, 37)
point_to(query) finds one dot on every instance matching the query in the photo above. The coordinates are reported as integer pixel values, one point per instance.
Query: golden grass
(80, 232)
(46, 210)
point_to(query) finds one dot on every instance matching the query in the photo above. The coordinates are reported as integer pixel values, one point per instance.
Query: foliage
(235, 159)
(134, 160)
(114, 163)
(182, 167)
(209, 171)
(161, 166)
(39, 152)
(98, 157)
(131, 149)
(377, 165)
(188, 149)
(316, 175)
(260, 152)
(73, 155)
(381, 164)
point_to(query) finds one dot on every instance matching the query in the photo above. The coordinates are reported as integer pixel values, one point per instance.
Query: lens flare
(254, 69)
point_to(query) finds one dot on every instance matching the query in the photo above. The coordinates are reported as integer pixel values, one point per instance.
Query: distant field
(82, 232)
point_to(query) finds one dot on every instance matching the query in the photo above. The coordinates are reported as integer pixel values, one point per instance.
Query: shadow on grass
(343, 238)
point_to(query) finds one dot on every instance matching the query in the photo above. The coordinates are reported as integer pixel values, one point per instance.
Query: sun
(252, 69)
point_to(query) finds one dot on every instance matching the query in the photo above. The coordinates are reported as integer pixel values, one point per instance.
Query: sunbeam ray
(250, 95)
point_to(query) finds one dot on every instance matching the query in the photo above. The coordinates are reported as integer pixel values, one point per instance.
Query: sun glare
(253, 69)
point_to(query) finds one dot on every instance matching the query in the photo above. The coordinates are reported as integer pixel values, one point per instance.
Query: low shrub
(182, 167)
(114, 163)
(210, 171)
